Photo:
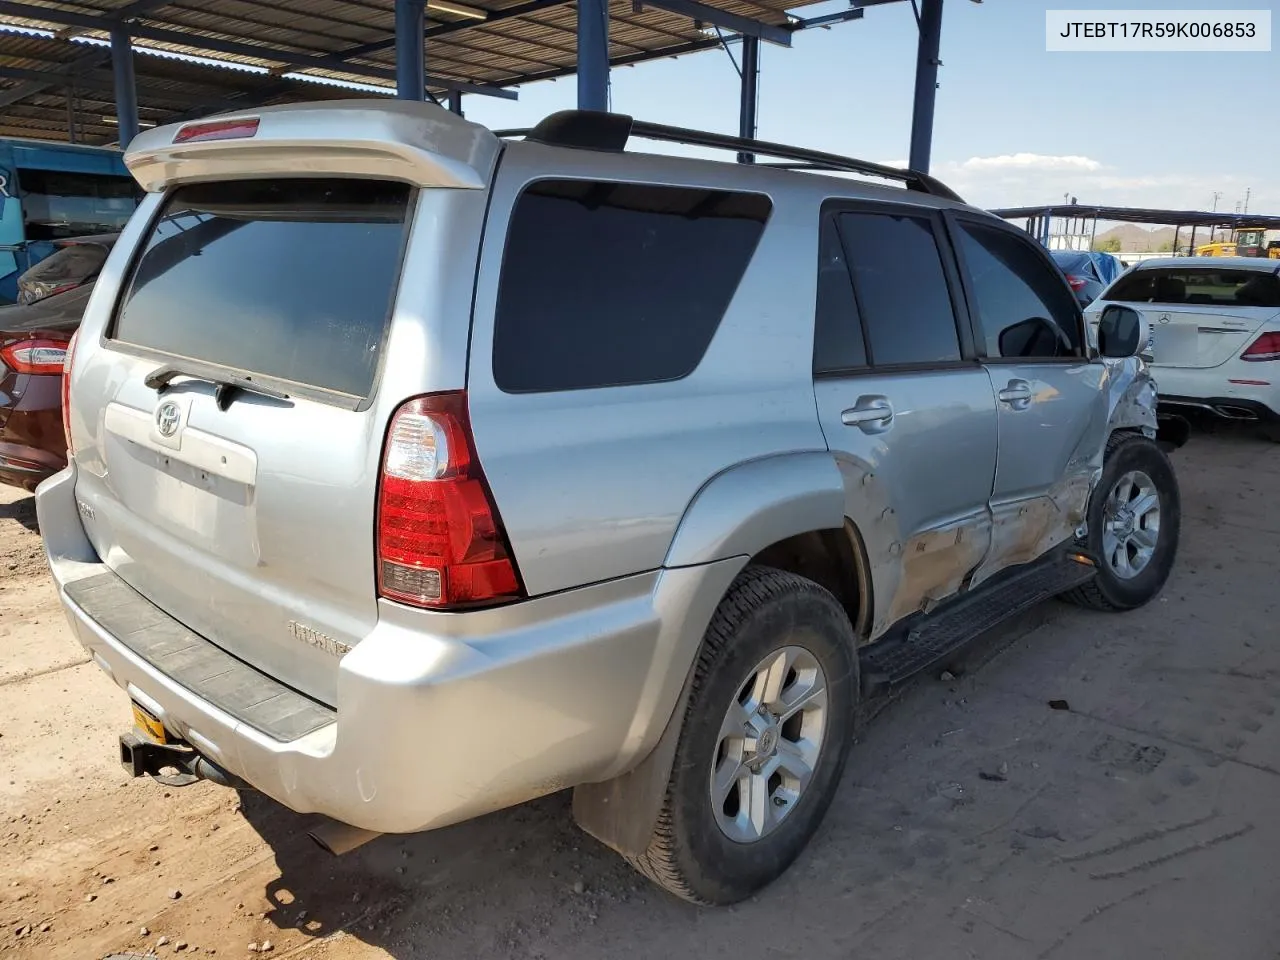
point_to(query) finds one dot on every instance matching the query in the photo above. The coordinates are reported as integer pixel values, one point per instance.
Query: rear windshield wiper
(225, 386)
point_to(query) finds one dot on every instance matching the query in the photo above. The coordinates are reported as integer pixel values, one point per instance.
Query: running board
(932, 637)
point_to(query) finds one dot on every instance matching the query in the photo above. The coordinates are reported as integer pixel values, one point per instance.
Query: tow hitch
(173, 764)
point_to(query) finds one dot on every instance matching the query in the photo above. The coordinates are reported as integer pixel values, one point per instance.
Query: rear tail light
(66, 394)
(439, 538)
(217, 130)
(1075, 282)
(35, 356)
(1266, 347)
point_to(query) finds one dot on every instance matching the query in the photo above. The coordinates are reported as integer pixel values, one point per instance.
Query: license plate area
(149, 726)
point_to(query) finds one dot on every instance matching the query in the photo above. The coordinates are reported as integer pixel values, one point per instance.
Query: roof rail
(596, 130)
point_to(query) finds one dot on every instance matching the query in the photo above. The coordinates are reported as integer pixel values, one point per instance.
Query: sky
(1014, 125)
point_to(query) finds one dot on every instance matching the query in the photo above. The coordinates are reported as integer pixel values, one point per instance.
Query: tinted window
(290, 279)
(837, 337)
(57, 204)
(1207, 285)
(605, 284)
(1025, 308)
(901, 288)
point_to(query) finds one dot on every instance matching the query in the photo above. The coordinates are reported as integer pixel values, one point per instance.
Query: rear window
(1205, 285)
(76, 262)
(606, 284)
(290, 279)
(1072, 262)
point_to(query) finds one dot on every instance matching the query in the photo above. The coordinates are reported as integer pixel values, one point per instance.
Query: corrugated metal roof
(344, 40)
(54, 74)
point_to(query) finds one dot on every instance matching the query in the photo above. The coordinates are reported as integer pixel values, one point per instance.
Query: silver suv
(418, 471)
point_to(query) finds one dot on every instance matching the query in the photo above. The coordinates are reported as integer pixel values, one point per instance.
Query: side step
(932, 637)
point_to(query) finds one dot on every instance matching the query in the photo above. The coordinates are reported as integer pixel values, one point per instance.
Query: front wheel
(1134, 519)
(765, 736)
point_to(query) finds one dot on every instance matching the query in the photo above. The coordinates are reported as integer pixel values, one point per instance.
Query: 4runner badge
(317, 639)
(168, 416)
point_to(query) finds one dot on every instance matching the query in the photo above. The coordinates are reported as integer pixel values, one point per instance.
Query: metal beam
(593, 55)
(927, 64)
(749, 99)
(295, 61)
(455, 102)
(126, 84)
(38, 84)
(720, 18)
(830, 19)
(411, 70)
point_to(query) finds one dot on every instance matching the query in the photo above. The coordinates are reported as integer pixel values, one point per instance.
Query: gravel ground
(973, 821)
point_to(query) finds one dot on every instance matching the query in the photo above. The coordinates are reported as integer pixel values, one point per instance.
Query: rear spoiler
(415, 143)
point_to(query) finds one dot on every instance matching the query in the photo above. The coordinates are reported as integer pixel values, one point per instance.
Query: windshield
(1198, 285)
(291, 279)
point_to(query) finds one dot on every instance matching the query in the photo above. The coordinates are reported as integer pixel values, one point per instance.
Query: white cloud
(1031, 161)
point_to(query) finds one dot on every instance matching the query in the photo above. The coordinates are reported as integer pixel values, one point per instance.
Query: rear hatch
(1200, 316)
(234, 412)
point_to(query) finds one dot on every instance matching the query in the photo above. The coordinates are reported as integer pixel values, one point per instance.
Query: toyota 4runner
(417, 471)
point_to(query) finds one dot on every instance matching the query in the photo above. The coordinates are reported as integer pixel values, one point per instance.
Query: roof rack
(595, 130)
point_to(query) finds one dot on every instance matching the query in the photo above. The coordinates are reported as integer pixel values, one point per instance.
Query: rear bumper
(439, 717)
(1240, 409)
(1236, 390)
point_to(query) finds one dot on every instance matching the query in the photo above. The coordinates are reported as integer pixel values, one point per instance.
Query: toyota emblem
(168, 416)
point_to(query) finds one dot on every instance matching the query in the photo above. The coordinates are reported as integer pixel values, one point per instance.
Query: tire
(1131, 456)
(766, 614)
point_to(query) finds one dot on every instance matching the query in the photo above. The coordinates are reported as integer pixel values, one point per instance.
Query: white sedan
(1215, 326)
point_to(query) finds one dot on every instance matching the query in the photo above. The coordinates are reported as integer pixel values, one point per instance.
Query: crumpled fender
(1131, 397)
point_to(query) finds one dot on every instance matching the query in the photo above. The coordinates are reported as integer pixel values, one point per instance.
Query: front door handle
(1016, 394)
(871, 414)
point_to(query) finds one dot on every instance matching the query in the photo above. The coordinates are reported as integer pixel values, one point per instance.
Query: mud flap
(621, 813)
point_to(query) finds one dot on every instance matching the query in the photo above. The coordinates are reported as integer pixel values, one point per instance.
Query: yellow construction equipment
(1244, 242)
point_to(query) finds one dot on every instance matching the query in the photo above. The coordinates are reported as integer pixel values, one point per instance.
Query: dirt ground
(974, 821)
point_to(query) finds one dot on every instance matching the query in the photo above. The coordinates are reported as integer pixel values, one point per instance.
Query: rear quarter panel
(592, 484)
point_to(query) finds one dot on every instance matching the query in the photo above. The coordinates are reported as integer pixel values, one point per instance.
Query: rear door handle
(871, 414)
(1016, 394)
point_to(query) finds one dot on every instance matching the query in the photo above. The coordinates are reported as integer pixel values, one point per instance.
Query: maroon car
(33, 346)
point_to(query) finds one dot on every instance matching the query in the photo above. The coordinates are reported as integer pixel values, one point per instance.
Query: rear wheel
(1134, 519)
(765, 737)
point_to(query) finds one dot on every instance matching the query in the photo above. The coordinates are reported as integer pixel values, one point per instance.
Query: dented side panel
(1051, 449)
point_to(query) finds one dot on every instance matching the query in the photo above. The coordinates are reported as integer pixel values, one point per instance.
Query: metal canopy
(1171, 218)
(44, 83)
(478, 46)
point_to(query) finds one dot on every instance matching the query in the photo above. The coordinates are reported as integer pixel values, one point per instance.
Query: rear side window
(290, 279)
(837, 335)
(1205, 285)
(1025, 308)
(607, 284)
(901, 288)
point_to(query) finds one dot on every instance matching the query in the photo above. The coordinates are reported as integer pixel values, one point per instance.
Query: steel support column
(750, 98)
(926, 84)
(593, 55)
(411, 64)
(125, 84)
(455, 102)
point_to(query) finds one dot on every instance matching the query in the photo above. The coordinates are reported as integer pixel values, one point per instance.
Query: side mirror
(1123, 332)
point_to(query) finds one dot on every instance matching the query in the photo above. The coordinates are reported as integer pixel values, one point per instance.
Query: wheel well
(834, 559)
